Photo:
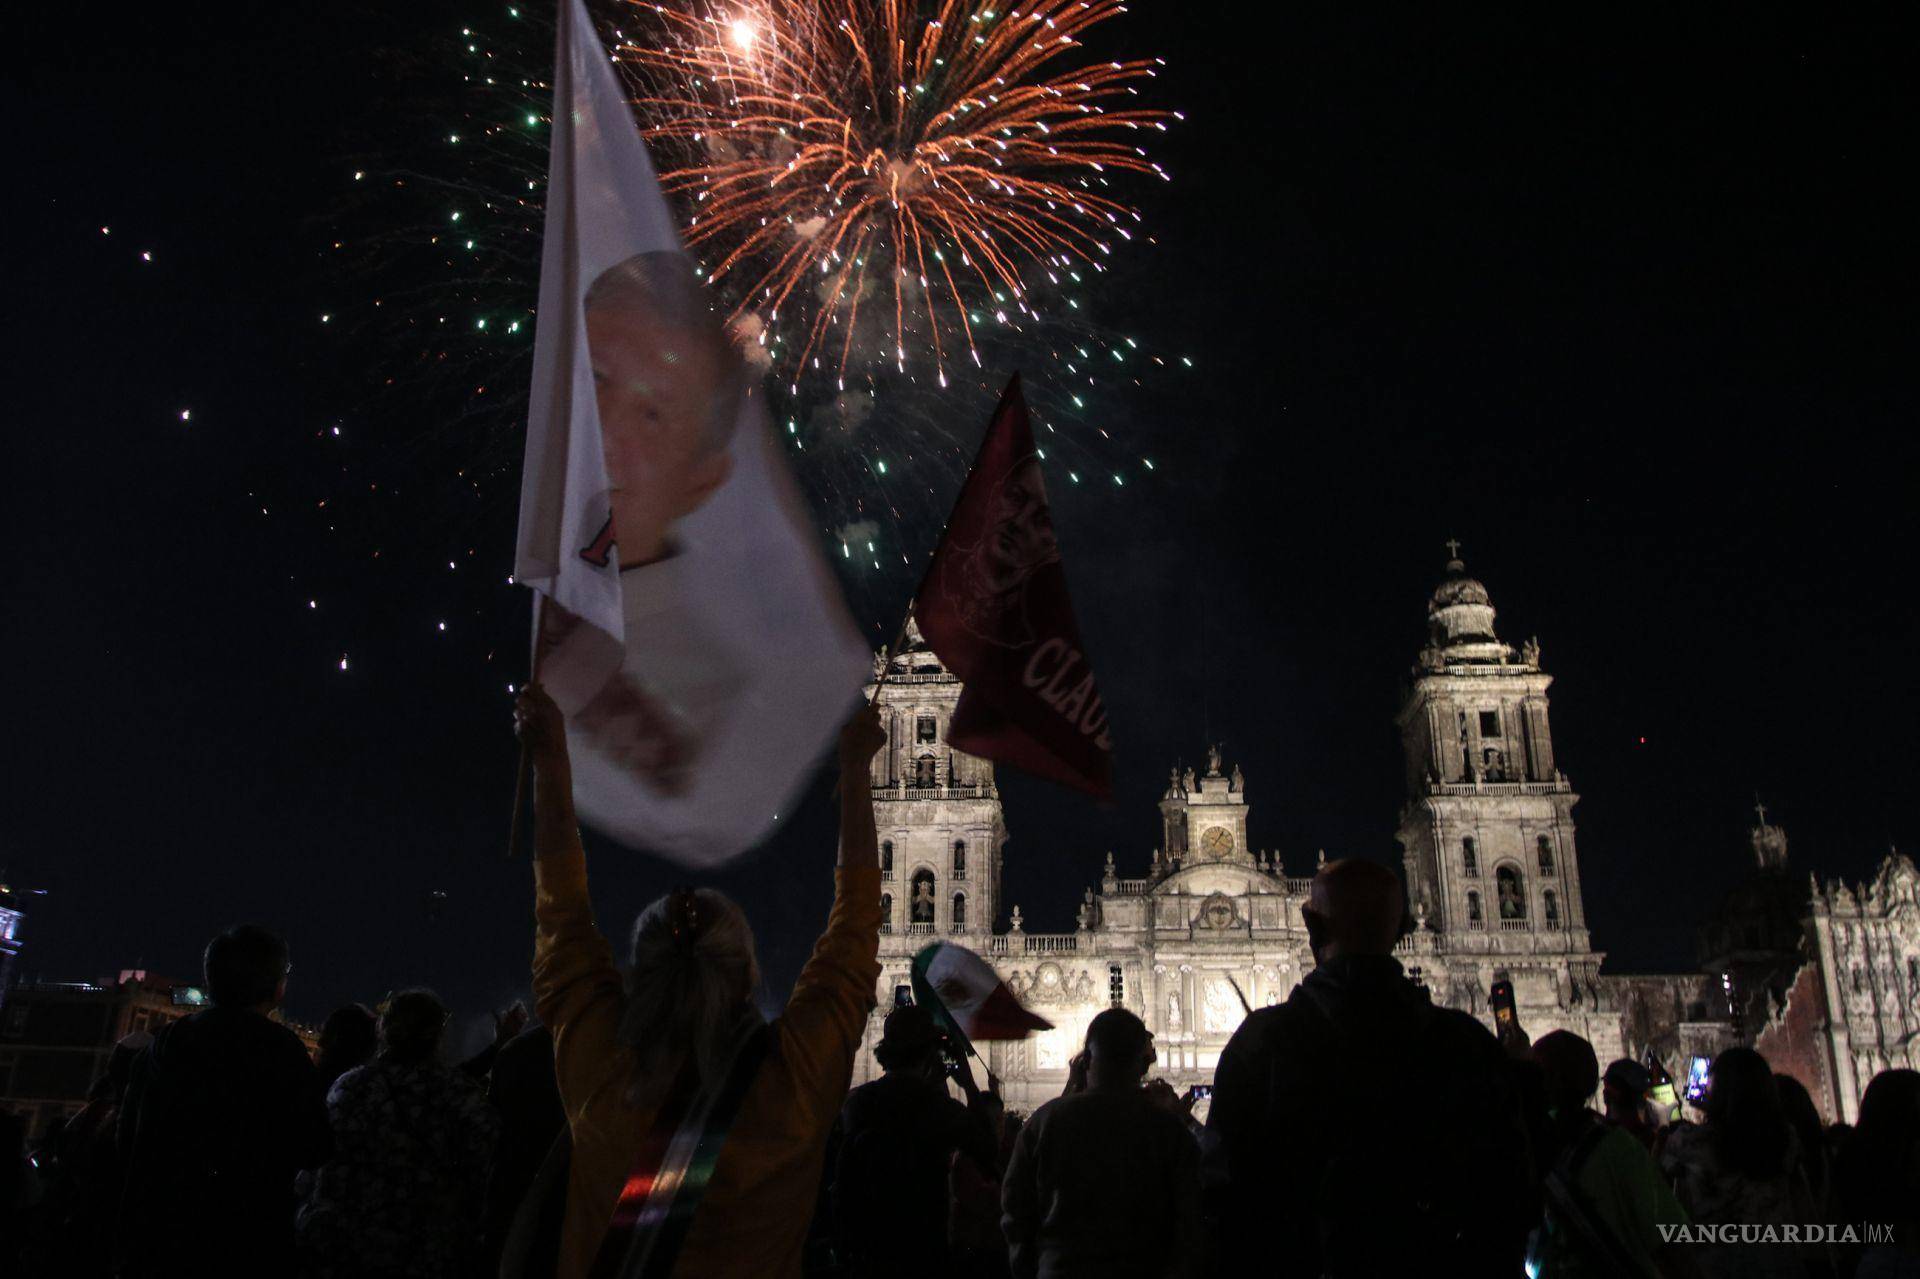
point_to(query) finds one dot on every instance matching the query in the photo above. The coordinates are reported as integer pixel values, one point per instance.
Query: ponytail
(689, 991)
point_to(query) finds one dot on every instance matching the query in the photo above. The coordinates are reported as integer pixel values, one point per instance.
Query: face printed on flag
(1019, 541)
(687, 624)
(665, 381)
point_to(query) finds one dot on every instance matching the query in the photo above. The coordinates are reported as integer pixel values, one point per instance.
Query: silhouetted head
(411, 1026)
(1890, 1108)
(245, 967)
(1623, 1091)
(348, 1038)
(1569, 1068)
(909, 1042)
(1877, 1173)
(1744, 1114)
(1355, 907)
(689, 989)
(1119, 1050)
(1797, 1104)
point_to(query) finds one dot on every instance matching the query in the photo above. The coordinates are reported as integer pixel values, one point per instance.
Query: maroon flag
(994, 607)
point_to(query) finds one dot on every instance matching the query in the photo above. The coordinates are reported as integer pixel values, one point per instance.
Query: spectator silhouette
(221, 1112)
(413, 1140)
(677, 1042)
(1604, 1197)
(531, 1161)
(82, 1196)
(1357, 1129)
(1742, 1167)
(898, 1138)
(1105, 1181)
(1877, 1175)
(1623, 1100)
(349, 1037)
(1798, 1105)
(18, 1188)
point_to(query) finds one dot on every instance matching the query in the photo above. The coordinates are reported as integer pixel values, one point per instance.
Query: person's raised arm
(860, 741)
(543, 734)
(821, 1027)
(576, 987)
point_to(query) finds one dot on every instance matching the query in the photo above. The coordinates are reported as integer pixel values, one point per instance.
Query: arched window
(924, 729)
(886, 912)
(920, 905)
(926, 771)
(959, 912)
(1470, 856)
(959, 859)
(886, 857)
(1546, 855)
(1512, 892)
(1550, 907)
(1474, 917)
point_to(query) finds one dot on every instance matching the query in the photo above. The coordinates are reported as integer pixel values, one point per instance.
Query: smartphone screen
(1500, 1000)
(1201, 1092)
(902, 996)
(1697, 1079)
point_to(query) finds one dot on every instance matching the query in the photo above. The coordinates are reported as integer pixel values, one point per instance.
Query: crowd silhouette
(646, 1120)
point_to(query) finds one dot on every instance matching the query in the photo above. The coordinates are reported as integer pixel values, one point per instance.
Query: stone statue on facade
(1239, 782)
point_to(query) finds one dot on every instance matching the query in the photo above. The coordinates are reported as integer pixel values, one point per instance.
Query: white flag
(685, 620)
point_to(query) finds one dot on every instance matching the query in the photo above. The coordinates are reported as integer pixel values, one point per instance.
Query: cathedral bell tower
(936, 809)
(1204, 818)
(1487, 829)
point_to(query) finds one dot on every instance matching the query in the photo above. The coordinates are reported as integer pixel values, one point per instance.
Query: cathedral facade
(1213, 928)
(1823, 980)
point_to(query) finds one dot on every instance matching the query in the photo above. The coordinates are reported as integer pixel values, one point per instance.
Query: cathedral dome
(1460, 612)
(1459, 588)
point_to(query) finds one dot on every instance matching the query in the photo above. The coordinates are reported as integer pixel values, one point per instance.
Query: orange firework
(930, 154)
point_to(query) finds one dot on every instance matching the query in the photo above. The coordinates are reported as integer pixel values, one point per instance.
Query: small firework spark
(924, 159)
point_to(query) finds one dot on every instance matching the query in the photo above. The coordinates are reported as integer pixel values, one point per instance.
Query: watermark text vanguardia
(1863, 1232)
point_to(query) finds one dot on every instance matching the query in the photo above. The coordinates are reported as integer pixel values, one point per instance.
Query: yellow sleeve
(576, 987)
(821, 1028)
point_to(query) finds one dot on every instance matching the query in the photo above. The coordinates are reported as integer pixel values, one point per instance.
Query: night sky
(1623, 301)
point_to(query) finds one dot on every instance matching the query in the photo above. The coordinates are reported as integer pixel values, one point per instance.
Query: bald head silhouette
(1353, 908)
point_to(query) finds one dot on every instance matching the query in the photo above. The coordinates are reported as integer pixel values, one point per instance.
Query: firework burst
(922, 159)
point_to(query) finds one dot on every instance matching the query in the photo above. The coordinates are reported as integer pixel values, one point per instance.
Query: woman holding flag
(698, 1129)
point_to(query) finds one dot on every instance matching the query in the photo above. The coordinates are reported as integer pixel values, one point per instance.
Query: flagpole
(892, 650)
(523, 774)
